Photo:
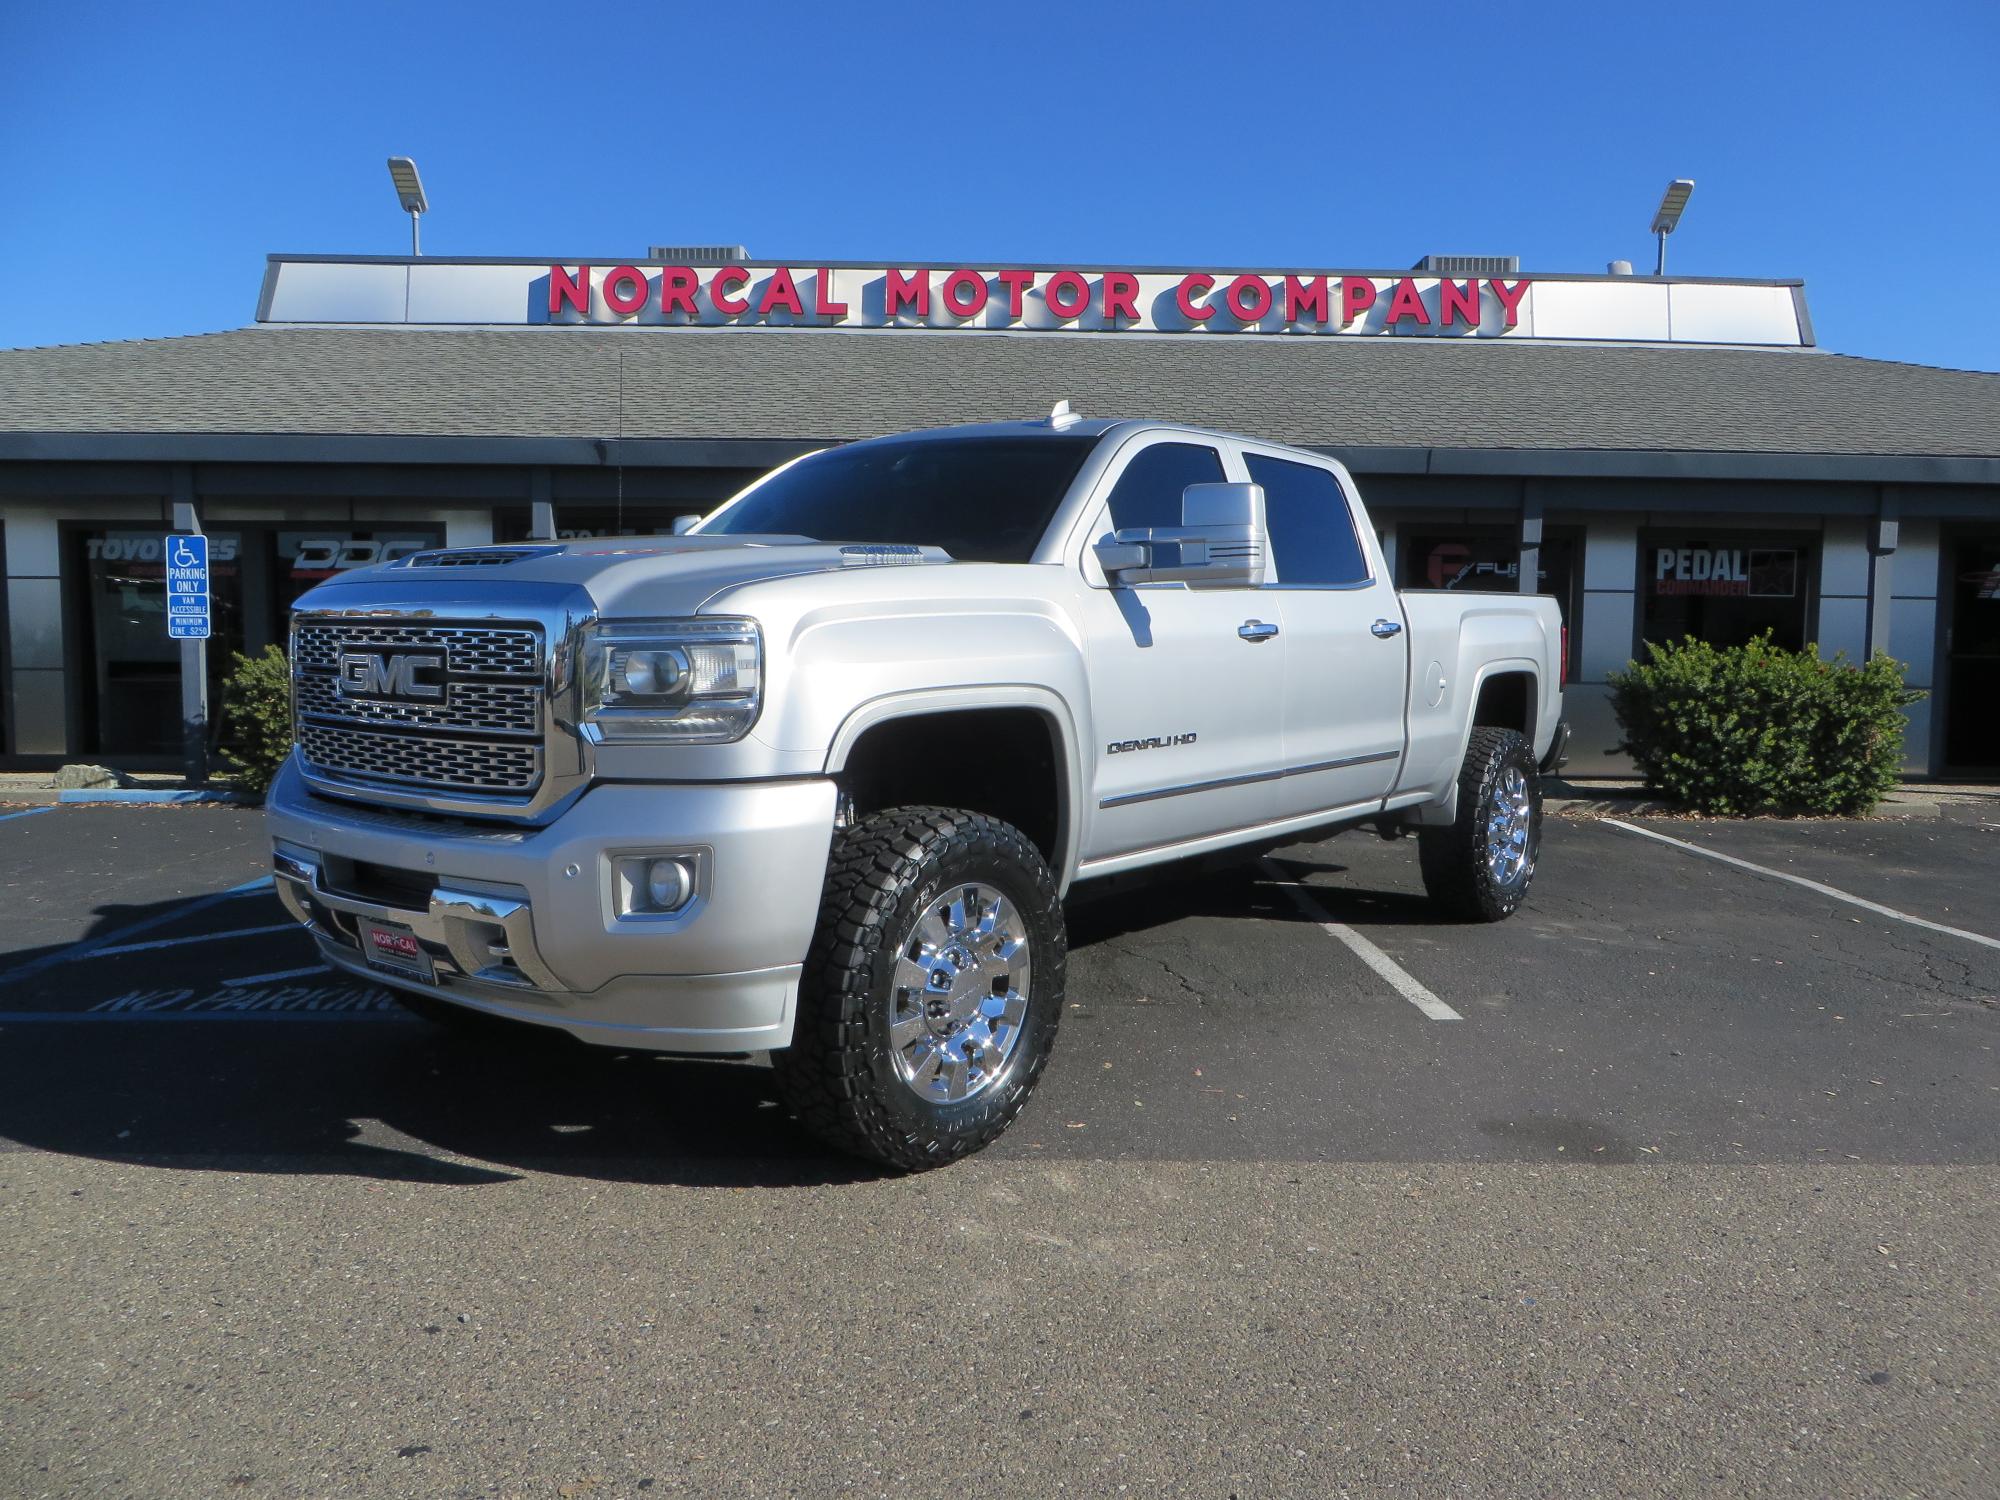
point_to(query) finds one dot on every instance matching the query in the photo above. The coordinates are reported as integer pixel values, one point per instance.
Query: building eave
(760, 453)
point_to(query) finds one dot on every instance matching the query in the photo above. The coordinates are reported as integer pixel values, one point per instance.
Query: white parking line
(281, 974)
(89, 946)
(1395, 974)
(200, 937)
(1811, 885)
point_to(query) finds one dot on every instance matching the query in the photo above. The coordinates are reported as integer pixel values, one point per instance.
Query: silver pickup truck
(813, 778)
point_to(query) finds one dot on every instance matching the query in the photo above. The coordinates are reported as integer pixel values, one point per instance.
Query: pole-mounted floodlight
(410, 189)
(1671, 203)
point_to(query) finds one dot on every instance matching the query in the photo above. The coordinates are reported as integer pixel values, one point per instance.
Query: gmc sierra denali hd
(813, 777)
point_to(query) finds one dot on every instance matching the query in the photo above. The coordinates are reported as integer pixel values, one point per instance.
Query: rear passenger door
(1346, 666)
(1185, 684)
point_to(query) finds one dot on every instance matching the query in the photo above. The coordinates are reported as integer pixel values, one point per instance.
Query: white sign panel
(1094, 300)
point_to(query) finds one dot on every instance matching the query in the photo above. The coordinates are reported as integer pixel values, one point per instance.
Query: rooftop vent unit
(1470, 265)
(697, 255)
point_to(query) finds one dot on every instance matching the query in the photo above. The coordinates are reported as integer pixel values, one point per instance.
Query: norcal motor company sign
(1106, 301)
(438, 292)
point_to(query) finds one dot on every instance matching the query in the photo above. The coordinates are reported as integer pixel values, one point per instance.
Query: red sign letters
(1108, 300)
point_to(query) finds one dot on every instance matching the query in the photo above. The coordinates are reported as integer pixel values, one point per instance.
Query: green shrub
(257, 716)
(1757, 728)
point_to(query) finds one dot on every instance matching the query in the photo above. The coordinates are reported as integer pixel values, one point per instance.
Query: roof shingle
(685, 383)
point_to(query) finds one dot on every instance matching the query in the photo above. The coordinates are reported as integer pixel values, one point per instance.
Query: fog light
(656, 885)
(669, 883)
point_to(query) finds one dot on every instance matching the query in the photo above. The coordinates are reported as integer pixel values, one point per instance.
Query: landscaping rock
(84, 778)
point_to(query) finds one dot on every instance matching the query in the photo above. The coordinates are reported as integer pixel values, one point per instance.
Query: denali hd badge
(363, 674)
(1157, 742)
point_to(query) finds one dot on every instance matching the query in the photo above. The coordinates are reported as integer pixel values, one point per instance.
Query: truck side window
(1312, 531)
(1148, 493)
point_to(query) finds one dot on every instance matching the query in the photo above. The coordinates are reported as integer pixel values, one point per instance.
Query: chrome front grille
(422, 760)
(488, 707)
(471, 650)
(424, 705)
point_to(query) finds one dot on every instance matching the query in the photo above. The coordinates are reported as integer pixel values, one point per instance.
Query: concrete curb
(1612, 807)
(1898, 805)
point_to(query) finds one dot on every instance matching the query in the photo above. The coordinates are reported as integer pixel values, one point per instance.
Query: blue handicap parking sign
(187, 588)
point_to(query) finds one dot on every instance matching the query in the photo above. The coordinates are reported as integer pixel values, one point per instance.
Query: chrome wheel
(960, 994)
(1510, 818)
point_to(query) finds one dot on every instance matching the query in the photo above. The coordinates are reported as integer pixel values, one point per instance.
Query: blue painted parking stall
(215, 953)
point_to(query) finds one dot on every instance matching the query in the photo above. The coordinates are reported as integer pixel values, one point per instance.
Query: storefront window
(312, 555)
(510, 523)
(1726, 588)
(132, 696)
(131, 699)
(7, 740)
(1490, 562)
(1972, 665)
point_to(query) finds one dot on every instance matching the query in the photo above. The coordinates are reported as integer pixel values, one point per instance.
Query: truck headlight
(693, 682)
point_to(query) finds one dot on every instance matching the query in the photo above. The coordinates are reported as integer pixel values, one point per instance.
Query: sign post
(188, 621)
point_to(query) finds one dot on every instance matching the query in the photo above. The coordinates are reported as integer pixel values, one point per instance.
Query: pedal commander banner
(1095, 300)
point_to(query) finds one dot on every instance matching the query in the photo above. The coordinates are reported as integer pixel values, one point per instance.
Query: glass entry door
(128, 672)
(132, 688)
(1972, 655)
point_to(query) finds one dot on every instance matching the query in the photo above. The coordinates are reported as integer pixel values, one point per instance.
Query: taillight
(1562, 676)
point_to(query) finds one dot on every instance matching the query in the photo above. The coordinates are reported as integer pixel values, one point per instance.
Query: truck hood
(625, 577)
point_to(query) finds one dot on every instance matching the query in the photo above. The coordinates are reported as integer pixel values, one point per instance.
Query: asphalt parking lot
(1683, 1181)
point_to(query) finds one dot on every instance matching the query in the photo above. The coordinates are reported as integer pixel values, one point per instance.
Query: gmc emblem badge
(363, 674)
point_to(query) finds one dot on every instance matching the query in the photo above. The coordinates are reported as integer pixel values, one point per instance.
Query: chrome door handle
(1387, 628)
(1256, 630)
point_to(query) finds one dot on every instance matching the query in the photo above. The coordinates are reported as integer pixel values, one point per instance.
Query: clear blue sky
(154, 153)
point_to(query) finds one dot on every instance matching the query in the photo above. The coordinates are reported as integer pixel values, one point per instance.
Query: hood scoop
(473, 557)
(890, 555)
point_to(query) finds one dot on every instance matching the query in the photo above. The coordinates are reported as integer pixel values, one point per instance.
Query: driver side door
(1186, 684)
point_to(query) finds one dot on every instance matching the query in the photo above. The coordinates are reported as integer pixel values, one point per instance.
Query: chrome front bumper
(489, 939)
(521, 922)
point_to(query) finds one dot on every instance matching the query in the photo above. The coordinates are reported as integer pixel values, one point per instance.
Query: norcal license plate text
(395, 948)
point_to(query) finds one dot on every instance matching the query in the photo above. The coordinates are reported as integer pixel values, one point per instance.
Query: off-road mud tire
(1458, 862)
(838, 1077)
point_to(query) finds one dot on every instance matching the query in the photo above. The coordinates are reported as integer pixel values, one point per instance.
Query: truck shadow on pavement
(396, 1099)
(336, 1079)
(242, 1054)
(1239, 888)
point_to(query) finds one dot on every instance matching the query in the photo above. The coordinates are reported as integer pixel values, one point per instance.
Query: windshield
(983, 499)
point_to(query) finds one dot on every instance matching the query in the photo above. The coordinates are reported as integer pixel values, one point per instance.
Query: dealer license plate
(396, 950)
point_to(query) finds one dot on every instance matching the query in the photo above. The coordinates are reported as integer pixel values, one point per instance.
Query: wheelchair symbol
(184, 555)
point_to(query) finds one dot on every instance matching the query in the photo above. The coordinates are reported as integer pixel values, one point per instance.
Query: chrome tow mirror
(1220, 543)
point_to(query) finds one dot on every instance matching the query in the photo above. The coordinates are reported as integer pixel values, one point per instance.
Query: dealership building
(1666, 456)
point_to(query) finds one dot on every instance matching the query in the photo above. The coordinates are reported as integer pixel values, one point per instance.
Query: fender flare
(923, 702)
(1506, 666)
(1444, 811)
